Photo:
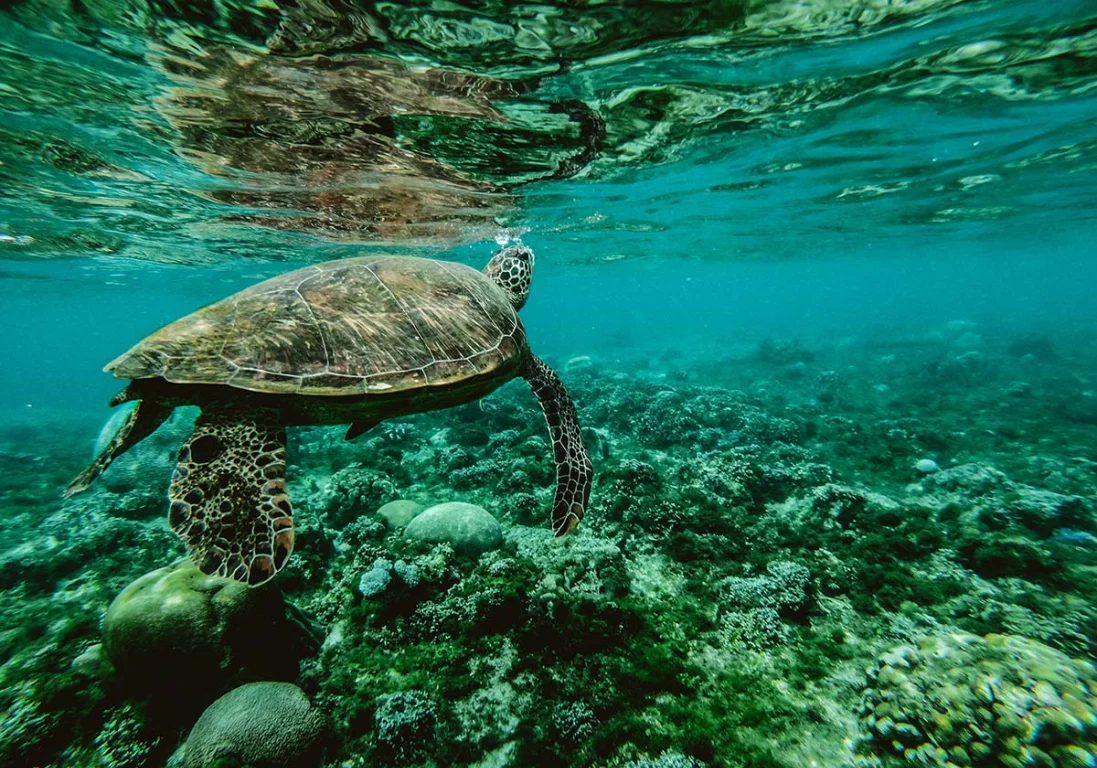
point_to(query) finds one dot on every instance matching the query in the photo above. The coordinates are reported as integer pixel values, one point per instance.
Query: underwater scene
(483, 383)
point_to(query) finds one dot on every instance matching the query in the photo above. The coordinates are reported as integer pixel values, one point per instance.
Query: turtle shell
(373, 324)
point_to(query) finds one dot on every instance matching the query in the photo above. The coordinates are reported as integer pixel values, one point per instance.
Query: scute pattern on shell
(372, 324)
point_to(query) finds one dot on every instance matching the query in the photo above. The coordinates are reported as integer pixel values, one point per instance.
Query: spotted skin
(512, 270)
(228, 494)
(574, 471)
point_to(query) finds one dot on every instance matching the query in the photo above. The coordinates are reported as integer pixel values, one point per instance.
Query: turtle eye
(205, 449)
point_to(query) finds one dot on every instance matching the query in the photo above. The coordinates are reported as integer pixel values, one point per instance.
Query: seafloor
(767, 576)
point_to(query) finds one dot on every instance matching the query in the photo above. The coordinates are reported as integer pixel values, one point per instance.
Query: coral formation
(960, 699)
(259, 725)
(176, 631)
(665, 760)
(466, 527)
(399, 513)
(784, 588)
(119, 743)
(404, 721)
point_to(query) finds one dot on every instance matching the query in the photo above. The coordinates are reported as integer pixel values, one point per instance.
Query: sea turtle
(357, 340)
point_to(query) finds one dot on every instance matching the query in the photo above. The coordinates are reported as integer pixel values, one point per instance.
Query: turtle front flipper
(359, 428)
(142, 422)
(573, 468)
(228, 494)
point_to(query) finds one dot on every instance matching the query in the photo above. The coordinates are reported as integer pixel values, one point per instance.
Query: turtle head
(512, 270)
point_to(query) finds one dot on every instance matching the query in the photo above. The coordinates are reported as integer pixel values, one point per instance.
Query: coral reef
(762, 530)
(960, 699)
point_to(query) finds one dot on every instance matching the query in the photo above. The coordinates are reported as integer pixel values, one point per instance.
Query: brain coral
(179, 629)
(963, 700)
(258, 725)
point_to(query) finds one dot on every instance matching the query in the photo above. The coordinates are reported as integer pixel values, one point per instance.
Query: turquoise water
(817, 275)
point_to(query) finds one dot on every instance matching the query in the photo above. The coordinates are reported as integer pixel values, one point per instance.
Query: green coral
(120, 742)
(1000, 700)
(23, 724)
(404, 721)
(666, 760)
(785, 588)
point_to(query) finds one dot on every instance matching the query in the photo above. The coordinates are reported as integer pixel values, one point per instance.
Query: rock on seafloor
(468, 528)
(927, 467)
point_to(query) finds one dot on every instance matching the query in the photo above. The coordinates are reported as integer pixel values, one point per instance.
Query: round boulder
(260, 725)
(399, 513)
(468, 528)
(178, 629)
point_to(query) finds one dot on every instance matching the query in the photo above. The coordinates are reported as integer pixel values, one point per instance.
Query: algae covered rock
(466, 527)
(92, 662)
(181, 630)
(259, 725)
(1000, 700)
(1043, 512)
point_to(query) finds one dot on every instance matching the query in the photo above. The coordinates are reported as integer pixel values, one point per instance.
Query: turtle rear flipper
(228, 494)
(573, 467)
(142, 422)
